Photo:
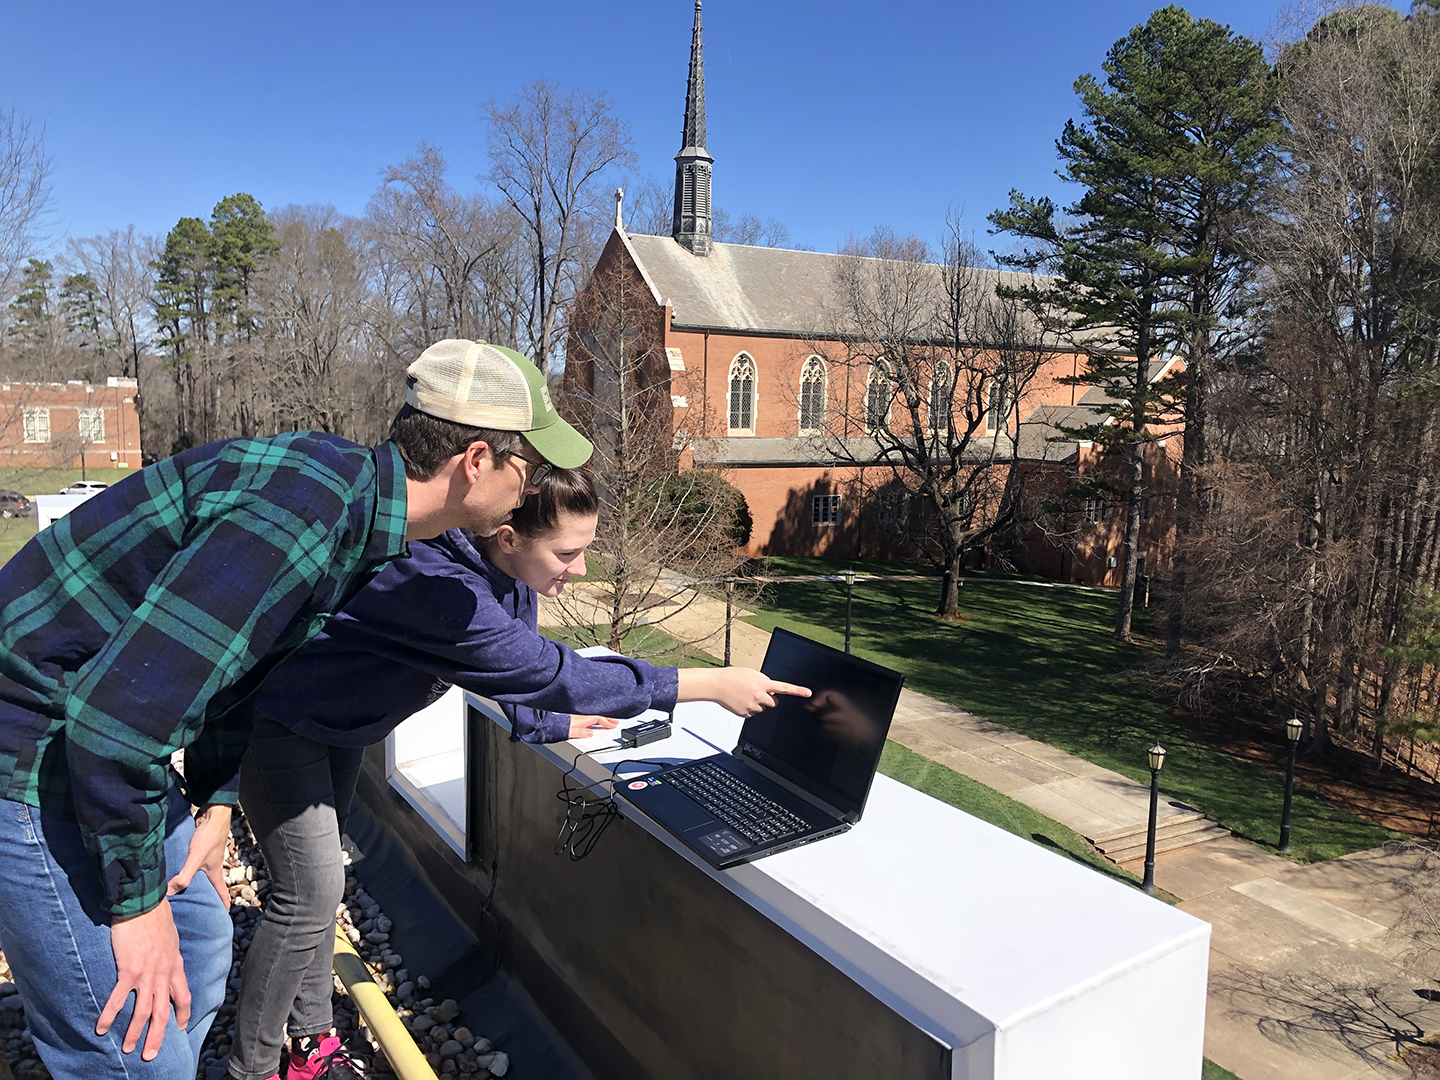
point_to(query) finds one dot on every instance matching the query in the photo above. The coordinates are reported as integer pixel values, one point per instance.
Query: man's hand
(583, 727)
(147, 956)
(744, 691)
(207, 852)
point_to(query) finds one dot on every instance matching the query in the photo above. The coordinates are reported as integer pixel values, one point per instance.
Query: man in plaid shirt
(130, 628)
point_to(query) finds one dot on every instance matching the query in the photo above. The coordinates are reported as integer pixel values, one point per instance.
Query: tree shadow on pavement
(1318, 1015)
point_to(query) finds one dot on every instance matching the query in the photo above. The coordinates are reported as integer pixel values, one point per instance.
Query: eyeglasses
(539, 470)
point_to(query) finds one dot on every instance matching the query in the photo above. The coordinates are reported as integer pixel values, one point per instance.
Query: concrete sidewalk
(1314, 969)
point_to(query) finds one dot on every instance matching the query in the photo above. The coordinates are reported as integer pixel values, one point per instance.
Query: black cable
(586, 817)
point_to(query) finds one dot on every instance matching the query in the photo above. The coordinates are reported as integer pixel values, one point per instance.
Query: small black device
(648, 732)
(802, 769)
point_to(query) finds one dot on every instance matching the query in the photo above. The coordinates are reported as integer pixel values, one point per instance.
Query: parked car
(13, 505)
(84, 487)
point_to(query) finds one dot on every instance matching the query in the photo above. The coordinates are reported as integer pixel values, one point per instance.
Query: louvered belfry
(691, 226)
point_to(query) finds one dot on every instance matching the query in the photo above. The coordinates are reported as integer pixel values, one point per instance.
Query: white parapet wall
(51, 508)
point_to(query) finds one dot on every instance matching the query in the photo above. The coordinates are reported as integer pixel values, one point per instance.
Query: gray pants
(295, 794)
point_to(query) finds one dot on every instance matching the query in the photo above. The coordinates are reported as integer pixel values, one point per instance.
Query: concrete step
(1168, 843)
(1167, 827)
(1111, 839)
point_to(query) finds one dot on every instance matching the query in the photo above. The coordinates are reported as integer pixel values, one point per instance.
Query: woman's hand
(207, 852)
(744, 691)
(583, 727)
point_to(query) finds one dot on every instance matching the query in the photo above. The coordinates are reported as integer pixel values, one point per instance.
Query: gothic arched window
(813, 381)
(878, 391)
(742, 395)
(942, 389)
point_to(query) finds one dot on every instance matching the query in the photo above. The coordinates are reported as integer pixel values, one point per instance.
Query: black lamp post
(729, 614)
(1157, 762)
(849, 594)
(1294, 728)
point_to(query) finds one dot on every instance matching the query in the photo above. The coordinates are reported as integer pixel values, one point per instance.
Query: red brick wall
(62, 402)
(1084, 554)
(780, 497)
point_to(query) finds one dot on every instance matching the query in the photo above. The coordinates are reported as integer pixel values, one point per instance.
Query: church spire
(691, 225)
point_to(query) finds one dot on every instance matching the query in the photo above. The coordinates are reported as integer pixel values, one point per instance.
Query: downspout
(705, 379)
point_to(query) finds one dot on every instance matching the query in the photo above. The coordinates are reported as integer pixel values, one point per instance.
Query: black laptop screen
(830, 742)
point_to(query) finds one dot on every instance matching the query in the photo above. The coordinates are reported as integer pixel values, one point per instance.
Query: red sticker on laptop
(639, 785)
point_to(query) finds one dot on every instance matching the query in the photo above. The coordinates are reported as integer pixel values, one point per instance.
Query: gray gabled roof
(1096, 395)
(1041, 438)
(754, 289)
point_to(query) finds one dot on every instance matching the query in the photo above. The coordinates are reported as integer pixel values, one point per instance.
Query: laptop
(801, 772)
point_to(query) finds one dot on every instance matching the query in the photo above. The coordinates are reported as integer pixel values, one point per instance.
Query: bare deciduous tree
(935, 364)
(24, 195)
(660, 528)
(1325, 533)
(551, 153)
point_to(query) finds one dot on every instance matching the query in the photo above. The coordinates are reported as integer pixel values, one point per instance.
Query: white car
(84, 487)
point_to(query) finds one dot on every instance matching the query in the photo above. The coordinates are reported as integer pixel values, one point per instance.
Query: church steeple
(691, 225)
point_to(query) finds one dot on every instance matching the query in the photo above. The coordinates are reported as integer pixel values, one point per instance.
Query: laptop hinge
(794, 788)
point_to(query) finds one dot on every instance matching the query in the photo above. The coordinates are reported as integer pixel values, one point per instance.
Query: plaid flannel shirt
(130, 628)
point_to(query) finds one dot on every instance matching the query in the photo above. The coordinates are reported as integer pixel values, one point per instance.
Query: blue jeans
(56, 937)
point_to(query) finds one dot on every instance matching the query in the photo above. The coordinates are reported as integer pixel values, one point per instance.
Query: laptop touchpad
(680, 812)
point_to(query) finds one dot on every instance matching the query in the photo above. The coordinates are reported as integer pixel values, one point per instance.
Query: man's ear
(471, 458)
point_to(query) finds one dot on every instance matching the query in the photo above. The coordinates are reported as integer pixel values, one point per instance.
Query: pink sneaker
(325, 1062)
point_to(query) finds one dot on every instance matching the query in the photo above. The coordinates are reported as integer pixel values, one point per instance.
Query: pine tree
(242, 238)
(183, 289)
(1168, 155)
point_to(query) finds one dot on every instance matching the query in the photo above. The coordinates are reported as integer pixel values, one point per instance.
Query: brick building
(55, 425)
(748, 336)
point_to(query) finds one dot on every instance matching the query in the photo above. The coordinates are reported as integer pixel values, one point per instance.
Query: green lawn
(33, 482)
(1215, 1072)
(15, 533)
(1042, 661)
(648, 642)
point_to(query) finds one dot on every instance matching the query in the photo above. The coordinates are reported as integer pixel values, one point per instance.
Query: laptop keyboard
(735, 802)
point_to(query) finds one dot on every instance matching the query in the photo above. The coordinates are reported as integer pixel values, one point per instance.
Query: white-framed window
(426, 761)
(893, 507)
(878, 392)
(1097, 511)
(742, 396)
(813, 386)
(825, 510)
(92, 425)
(37, 425)
(942, 390)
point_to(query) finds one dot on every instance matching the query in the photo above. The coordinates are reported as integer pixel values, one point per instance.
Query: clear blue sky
(830, 117)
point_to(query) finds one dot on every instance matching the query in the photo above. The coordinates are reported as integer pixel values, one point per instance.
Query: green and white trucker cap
(489, 386)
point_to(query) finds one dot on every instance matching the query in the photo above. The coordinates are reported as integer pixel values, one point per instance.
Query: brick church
(743, 341)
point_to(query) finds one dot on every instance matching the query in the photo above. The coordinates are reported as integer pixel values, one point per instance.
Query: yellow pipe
(399, 1046)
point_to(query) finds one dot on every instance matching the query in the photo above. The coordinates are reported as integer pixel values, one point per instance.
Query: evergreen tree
(32, 311)
(183, 289)
(80, 311)
(242, 238)
(1168, 156)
